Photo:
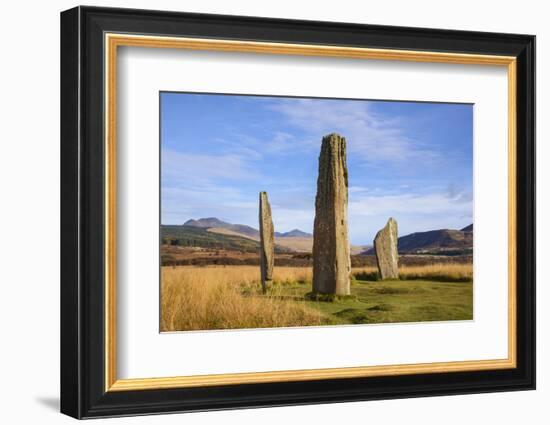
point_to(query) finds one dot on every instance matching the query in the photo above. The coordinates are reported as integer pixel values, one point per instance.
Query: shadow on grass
(436, 278)
(375, 277)
(316, 296)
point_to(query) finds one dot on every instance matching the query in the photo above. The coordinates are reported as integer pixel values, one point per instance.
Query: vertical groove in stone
(267, 242)
(331, 255)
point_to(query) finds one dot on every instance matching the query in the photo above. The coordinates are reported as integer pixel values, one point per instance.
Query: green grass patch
(387, 301)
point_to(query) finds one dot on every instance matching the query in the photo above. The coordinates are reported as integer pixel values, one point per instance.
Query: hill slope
(213, 222)
(469, 228)
(215, 225)
(199, 237)
(295, 240)
(436, 242)
(292, 243)
(224, 231)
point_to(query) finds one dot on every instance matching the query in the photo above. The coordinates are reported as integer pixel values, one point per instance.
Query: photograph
(281, 212)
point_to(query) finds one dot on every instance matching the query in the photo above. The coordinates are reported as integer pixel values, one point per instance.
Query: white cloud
(413, 212)
(369, 213)
(433, 203)
(371, 136)
(226, 203)
(278, 143)
(286, 219)
(206, 167)
(357, 189)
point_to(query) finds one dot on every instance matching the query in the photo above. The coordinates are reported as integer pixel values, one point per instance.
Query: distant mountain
(216, 225)
(296, 233)
(206, 222)
(436, 242)
(213, 222)
(295, 240)
(199, 237)
(469, 228)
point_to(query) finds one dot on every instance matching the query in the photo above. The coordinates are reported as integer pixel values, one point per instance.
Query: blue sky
(407, 160)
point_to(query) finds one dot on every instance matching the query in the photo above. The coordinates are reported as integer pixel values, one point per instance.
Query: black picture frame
(82, 212)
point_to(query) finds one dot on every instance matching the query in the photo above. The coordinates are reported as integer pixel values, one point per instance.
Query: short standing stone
(331, 255)
(267, 242)
(385, 249)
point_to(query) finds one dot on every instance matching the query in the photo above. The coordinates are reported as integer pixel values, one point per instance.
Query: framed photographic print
(261, 212)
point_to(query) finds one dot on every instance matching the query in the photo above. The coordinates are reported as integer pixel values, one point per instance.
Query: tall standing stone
(385, 249)
(267, 242)
(331, 257)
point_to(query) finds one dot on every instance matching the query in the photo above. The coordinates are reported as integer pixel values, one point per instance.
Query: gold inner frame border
(112, 41)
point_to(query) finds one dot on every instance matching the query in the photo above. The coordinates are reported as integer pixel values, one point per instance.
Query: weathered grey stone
(331, 258)
(385, 249)
(267, 242)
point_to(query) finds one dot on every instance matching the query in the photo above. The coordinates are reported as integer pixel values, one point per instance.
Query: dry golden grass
(454, 272)
(229, 297)
(196, 298)
(449, 272)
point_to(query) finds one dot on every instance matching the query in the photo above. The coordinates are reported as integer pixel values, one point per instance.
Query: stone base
(318, 296)
(268, 284)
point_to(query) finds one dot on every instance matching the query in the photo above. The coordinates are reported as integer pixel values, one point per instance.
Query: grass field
(218, 297)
